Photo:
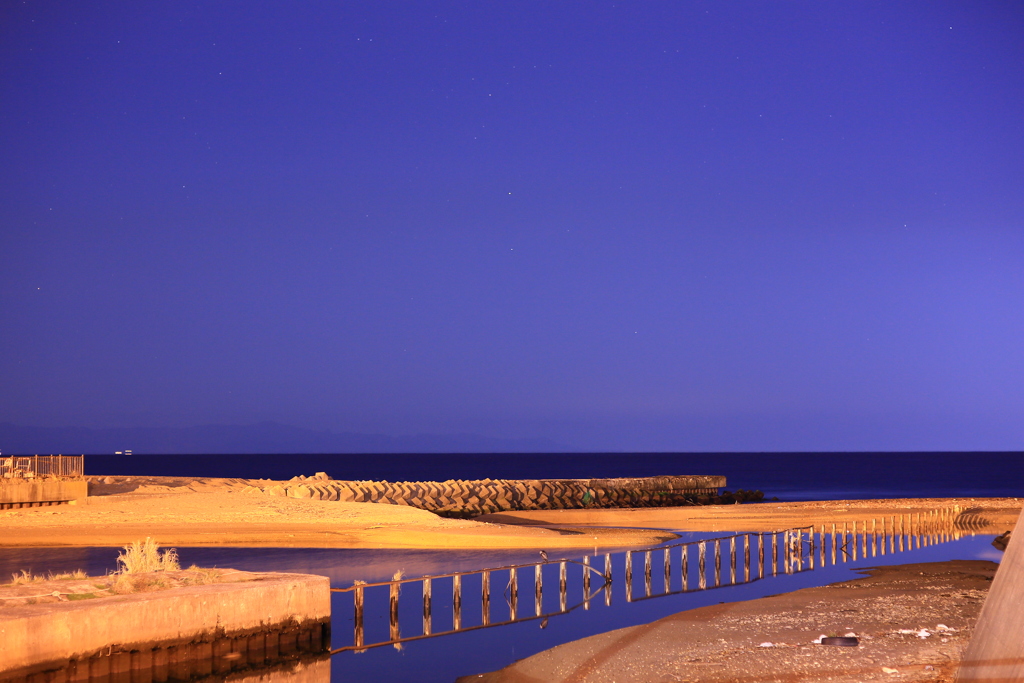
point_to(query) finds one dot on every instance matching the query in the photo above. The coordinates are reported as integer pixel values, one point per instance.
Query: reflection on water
(313, 670)
(446, 658)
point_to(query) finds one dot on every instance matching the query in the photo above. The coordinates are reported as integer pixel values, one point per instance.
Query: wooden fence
(747, 557)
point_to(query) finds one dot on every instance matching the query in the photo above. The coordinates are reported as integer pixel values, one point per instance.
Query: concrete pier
(190, 628)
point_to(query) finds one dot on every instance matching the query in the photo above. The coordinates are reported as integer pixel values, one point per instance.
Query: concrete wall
(31, 635)
(497, 495)
(41, 490)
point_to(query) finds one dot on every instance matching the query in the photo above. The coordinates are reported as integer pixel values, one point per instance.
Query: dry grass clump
(200, 576)
(25, 576)
(144, 556)
(138, 564)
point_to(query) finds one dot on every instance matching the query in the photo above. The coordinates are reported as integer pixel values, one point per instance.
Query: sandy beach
(226, 512)
(912, 621)
(231, 512)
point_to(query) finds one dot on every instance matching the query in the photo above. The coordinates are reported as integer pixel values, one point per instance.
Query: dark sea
(787, 476)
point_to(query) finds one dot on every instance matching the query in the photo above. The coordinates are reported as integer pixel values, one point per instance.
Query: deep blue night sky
(650, 226)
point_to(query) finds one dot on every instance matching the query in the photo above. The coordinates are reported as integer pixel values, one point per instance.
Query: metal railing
(31, 466)
(797, 548)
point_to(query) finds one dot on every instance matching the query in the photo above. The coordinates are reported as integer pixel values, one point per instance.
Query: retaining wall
(18, 492)
(164, 624)
(497, 495)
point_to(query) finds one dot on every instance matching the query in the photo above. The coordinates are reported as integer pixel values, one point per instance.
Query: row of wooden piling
(763, 554)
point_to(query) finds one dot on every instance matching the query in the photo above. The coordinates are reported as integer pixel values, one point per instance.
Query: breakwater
(470, 498)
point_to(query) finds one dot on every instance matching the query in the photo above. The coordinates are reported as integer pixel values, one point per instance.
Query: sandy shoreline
(228, 512)
(208, 512)
(886, 610)
(984, 515)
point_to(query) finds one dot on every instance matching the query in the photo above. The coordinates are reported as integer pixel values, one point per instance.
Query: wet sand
(730, 642)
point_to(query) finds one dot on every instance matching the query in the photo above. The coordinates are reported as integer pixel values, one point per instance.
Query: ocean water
(788, 476)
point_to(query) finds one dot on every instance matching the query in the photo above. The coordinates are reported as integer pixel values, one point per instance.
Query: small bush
(77, 574)
(144, 556)
(25, 577)
(200, 576)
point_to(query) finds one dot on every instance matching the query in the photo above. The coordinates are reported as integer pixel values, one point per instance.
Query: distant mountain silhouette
(264, 437)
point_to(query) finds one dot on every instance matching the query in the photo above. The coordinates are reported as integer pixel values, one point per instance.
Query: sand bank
(205, 513)
(887, 611)
(202, 512)
(985, 515)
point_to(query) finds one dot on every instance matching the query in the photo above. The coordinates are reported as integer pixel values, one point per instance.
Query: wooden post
(798, 550)
(821, 551)
(760, 556)
(513, 585)
(561, 583)
(685, 569)
(485, 597)
(775, 555)
(586, 582)
(668, 571)
(718, 563)
(538, 607)
(457, 602)
(810, 548)
(393, 590)
(786, 552)
(732, 560)
(874, 539)
(629, 576)
(427, 617)
(647, 573)
(746, 558)
(357, 615)
(833, 544)
(608, 580)
(702, 580)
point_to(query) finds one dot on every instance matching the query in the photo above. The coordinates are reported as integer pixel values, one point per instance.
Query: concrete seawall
(63, 635)
(498, 495)
(40, 491)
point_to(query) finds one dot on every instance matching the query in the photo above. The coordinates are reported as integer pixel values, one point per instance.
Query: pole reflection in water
(799, 549)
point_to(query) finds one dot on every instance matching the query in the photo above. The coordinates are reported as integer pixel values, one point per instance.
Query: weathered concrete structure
(15, 493)
(497, 495)
(161, 630)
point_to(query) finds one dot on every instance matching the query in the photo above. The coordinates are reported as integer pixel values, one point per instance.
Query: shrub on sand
(145, 556)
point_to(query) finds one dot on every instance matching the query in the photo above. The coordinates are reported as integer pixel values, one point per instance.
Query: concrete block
(42, 490)
(37, 634)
